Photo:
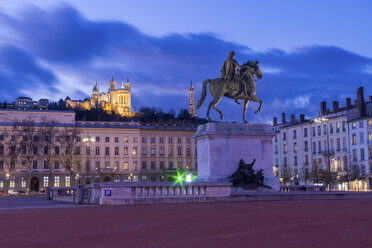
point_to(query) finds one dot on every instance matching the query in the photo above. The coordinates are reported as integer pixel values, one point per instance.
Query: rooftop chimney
(283, 118)
(275, 121)
(335, 106)
(293, 118)
(360, 101)
(348, 103)
(323, 108)
(302, 117)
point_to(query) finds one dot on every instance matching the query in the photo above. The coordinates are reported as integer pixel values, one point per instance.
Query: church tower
(112, 83)
(191, 102)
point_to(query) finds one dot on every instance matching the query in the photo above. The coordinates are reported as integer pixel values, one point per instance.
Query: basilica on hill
(113, 101)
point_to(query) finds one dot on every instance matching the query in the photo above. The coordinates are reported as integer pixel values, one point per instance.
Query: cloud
(61, 53)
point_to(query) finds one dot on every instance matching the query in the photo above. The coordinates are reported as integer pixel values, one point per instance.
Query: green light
(183, 177)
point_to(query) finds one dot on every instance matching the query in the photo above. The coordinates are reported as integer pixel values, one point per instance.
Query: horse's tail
(203, 94)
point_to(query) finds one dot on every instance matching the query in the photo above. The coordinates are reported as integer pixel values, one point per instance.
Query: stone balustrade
(292, 188)
(153, 192)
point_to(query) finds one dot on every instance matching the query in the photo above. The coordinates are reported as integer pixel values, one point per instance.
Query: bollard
(80, 194)
(47, 194)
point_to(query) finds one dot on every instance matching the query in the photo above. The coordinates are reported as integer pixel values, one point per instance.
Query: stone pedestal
(222, 145)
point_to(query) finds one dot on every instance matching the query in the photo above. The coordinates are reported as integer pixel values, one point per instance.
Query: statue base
(222, 145)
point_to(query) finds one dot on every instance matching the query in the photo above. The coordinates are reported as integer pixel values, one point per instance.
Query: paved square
(321, 223)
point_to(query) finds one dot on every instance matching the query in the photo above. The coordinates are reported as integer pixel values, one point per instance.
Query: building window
(369, 123)
(285, 148)
(361, 124)
(68, 181)
(56, 150)
(126, 150)
(161, 140)
(355, 155)
(305, 132)
(314, 147)
(56, 181)
(343, 126)
(295, 147)
(188, 151)
(135, 139)
(344, 143)
(144, 151)
(116, 151)
(23, 183)
(1, 165)
(353, 125)
(285, 161)
(152, 165)
(135, 165)
(107, 139)
(107, 150)
(97, 150)
(284, 136)
(170, 165)
(98, 166)
(179, 151)
(125, 139)
(35, 150)
(152, 150)
(1, 184)
(295, 160)
(306, 146)
(179, 140)
(152, 140)
(144, 165)
(313, 131)
(337, 127)
(116, 139)
(370, 139)
(338, 144)
(161, 165)
(319, 146)
(107, 164)
(45, 167)
(1, 150)
(97, 139)
(153, 178)
(170, 151)
(87, 150)
(331, 128)
(188, 140)
(354, 139)
(319, 131)
(361, 137)
(134, 150)
(306, 159)
(116, 178)
(34, 165)
(143, 178)
(56, 165)
(116, 165)
(126, 166)
(362, 154)
(170, 140)
(161, 151)
(324, 129)
(45, 181)
(12, 183)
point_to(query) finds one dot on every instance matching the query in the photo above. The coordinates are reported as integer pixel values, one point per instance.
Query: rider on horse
(229, 72)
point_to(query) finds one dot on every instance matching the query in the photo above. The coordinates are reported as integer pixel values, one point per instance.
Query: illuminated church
(114, 101)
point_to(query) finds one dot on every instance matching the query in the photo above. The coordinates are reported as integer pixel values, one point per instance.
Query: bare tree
(286, 174)
(28, 146)
(48, 133)
(315, 173)
(305, 174)
(8, 153)
(70, 155)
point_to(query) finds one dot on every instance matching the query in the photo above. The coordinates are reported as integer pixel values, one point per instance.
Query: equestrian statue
(234, 83)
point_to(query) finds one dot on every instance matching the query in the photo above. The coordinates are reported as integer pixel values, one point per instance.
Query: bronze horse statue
(219, 87)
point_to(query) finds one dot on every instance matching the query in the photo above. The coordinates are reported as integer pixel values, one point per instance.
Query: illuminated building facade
(115, 100)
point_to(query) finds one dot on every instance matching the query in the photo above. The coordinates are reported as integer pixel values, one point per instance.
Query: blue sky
(309, 51)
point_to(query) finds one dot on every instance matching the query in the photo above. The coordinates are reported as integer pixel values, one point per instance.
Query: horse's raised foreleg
(256, 99)
(213, 104)
(246, 102)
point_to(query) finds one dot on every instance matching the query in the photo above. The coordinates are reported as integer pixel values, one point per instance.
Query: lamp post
(88, 140)
(328, 153)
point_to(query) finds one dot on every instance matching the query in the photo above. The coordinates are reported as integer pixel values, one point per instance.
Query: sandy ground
(321, 223)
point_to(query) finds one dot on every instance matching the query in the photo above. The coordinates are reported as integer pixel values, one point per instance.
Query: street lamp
(319, 120)
(88, 140)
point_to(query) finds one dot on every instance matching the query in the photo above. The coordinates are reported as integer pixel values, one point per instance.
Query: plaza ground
(318, 223)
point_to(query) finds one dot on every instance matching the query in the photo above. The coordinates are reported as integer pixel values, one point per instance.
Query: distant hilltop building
(115, 100)
(26, 103)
